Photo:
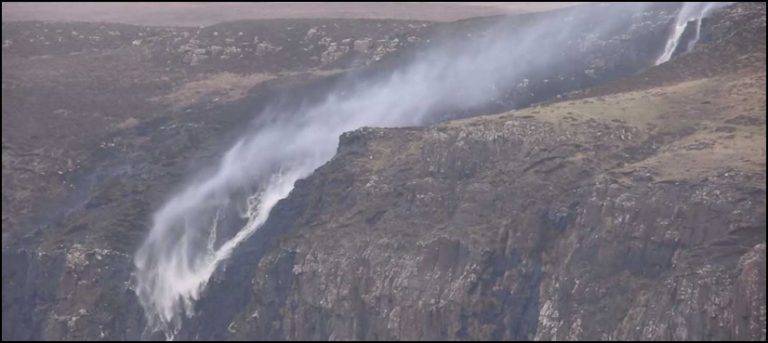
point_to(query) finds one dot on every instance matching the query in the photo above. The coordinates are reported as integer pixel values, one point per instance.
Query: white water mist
(181, 251)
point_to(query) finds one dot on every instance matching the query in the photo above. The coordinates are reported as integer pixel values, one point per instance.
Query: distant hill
(202, 14)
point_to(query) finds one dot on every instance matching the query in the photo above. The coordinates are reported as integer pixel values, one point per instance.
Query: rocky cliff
(633, 208)
(632, 216)
(638, 213)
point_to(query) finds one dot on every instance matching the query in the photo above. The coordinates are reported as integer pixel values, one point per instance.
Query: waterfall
(690, 12)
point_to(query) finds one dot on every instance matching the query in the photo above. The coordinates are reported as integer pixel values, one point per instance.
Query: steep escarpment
(633, 214)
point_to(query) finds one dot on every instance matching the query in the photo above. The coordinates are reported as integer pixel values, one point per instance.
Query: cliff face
(634, 214)
(639, 215)
(634, 210)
